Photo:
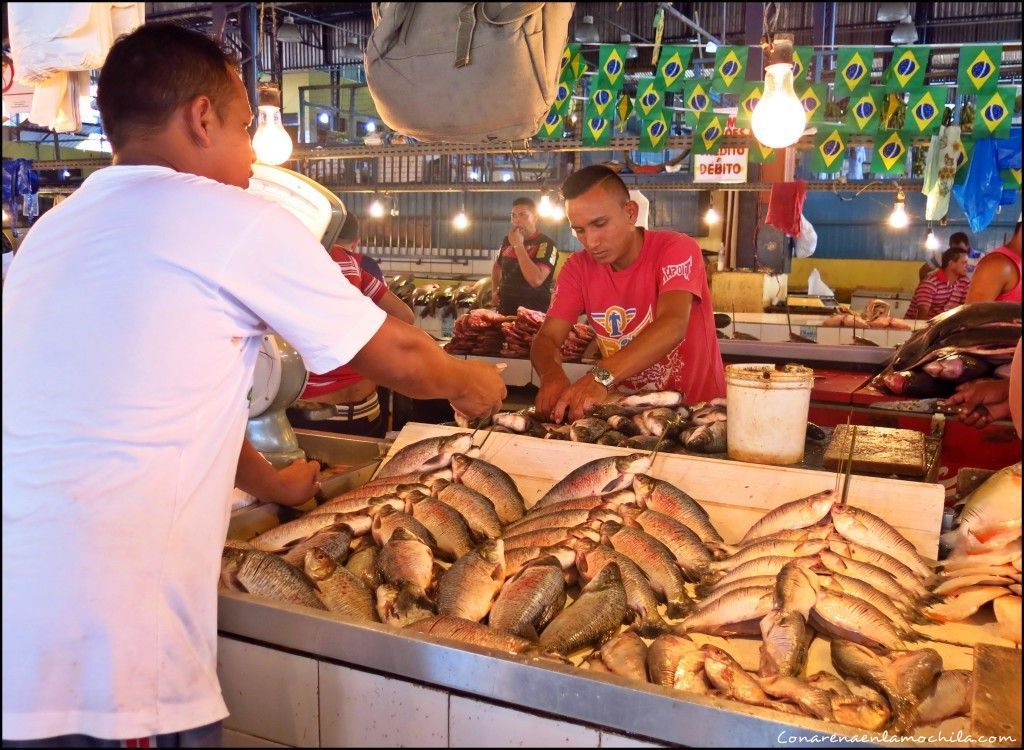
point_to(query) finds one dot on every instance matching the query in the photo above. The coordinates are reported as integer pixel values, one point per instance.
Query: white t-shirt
(132, 317)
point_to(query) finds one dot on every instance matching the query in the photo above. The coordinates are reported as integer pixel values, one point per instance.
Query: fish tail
(679, 607)
(651, 626)
(720, 549)
(904, 714)
(706, 585)
(929, 600)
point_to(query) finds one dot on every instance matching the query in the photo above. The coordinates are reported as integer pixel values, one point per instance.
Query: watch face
(602, 376)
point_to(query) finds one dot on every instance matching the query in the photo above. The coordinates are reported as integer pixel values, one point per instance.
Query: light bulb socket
(268, 94)
(778, 48)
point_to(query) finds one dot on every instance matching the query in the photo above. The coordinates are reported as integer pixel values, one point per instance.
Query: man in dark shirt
(523, 271)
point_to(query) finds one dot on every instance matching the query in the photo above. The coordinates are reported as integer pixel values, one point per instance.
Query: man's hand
(551, 390)
(296, 483)
(982, 401)
(481, 390)
(516, 238)
(578, 398)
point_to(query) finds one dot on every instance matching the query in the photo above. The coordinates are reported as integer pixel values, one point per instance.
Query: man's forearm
(533, 273)
(657, 340)
(255, 474)
(546, 357)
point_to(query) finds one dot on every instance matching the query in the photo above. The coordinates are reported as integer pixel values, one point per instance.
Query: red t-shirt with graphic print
(620, 304)
(370, 286)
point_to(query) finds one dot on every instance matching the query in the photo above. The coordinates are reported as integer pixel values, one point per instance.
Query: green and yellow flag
(553, 127)
(569, 54)
(674, 61)
(802, 57)
(994, 113)
(758, 153)
(611, 67)
(730, 67)
(853, 70)
(623, 110)
(597, 129)
(829, 150)
(654, 133)
(813, 98)
(963, 159)
(979, 68)
(708, 134)
(890, 156)
(1011, 179)
(602, 102)
(924, 111)
(864, 111)
(563, 98)
(906, 71)
(697, 101)
(650, 98)
(749, 98)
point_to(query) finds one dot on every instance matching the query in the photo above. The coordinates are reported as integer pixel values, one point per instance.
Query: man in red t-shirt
(646, 295)
(352, 398)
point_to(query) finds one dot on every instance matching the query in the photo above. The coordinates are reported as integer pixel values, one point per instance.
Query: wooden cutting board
(878, 450)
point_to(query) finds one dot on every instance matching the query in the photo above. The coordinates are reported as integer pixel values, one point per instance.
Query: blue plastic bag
(982, 191)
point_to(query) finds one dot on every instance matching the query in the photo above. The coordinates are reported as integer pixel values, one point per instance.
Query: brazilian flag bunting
(963, 159)
(650, 98)
(829, 150)
(563, 98)
(864, 111)
(602, 102)
(730, 67)
(890, 155)
(994, 113)
(906, 71)
(1011, 179)
(813, 98)
(979, 69)
(924, 110)
(597, 129)
(674, 61)
(623, 109)
(611, 67)
(697, 101)
(758, 153)
(749, 98)
(853, 70)
(801, 63)
(569, 54)
(707, 136)
(553, 127)
(654, 133)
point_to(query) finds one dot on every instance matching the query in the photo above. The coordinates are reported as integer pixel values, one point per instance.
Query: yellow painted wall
(292, 80)
(845, 275)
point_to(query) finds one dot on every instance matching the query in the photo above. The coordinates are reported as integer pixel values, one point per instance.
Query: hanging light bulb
(779, 118)
(271, 141)
(545, 206)
(288, 32)
(899, 219)
(586, 31)
(351, 49)
(557, 212)
(376, 209)
(711, 48)
(460, 221)
(931, 242)
(711, 216)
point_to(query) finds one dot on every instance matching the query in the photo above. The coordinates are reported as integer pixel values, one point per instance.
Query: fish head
(823, 503)
(438, 486)
(811, 547)
(628, 515)
(385, 506)
(458, 443)
(634, 463)
(318, 564)
(601, 515)
(460, 465)
(643, 487)
(493, 551)
(608, 576)
(608, 530)
(863, 713)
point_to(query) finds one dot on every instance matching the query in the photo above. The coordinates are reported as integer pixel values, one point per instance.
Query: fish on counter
(402, 605)
(530, 598)
(596, 614)
(425, 455)
(642, 603)
(341, 590)
(470, 585)
(626, 655)
(600, 476)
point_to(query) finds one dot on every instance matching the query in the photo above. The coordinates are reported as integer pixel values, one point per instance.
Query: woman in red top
(998, 275)
(646, 295)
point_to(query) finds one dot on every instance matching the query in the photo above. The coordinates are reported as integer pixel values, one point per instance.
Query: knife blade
(919, 406)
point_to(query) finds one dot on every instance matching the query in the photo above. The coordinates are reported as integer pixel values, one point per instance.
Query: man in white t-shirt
(127, 360)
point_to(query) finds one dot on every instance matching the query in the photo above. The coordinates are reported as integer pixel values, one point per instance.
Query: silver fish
(588, 430)
(491, 482)
(341, 590)
(625, 654)
(735, 613)
(785, 639)
(770, 548)
(866, 528)
(426, 455)
(267, 576)
(726, 675)
(363, 562)
(902, 574)
(762, 566)
(560, 519)
(388, 520)
(530, 599)
(469, 586)
(654, 559)
(664, 655)
(406, 559)
(446, 525)
(708, 438)
(815, 702)
(597, 612)
(796, 589)
(402, 605)
(467, 631)
(870, 574)
(478, 511)
(762, 582)
(334, 540)
(663, 497)
(596, 477)
(280, 538)
(874, 597)
(592, 558)
(684, 544)
(853, 619)
(650, 399)
(798, 514)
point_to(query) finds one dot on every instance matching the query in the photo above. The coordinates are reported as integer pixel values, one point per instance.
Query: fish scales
(267, 576)
(447, 526)
(473, 633)
(654, 559)
(626, 655)
(469, 586)
(479, 512)
(684, 544)
(667, 499)
(529, 600)
(597, 477)
(597, 612)
(427, 454)
(592, 558)
(340, 590)
(797, 514)
(723, 615)
(492, 483)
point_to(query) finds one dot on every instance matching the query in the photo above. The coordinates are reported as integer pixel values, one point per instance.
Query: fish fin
(530, 633)
(679, 608)
(651, 626)
(720, 549)
(904, 714)
(706, 585)
(930, 600)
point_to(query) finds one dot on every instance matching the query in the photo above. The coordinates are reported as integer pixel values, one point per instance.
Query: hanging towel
(785, 206)
(940, 169)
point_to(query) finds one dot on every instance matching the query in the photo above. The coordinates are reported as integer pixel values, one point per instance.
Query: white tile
(828, 336)
(879, 335)
(232, 738)
(897, 337)
(771, 332)
(610, 739)
(477, 724)
(481, 267)
(751, 329)
(359, 709)
(270, 694)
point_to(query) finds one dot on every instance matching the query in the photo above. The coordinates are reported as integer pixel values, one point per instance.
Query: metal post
(692, 24)
(248, 21)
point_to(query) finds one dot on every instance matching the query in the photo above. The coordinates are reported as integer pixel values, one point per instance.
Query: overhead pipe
(691, 23)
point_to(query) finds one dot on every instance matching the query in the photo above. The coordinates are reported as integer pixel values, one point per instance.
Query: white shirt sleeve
(286, 278)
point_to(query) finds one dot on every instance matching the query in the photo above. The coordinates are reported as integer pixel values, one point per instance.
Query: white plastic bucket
(767, 412)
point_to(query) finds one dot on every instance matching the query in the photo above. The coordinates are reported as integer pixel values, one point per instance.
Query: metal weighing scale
(280, 374)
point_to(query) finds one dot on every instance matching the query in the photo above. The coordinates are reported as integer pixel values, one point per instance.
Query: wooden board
(880, 450)
(995, 704)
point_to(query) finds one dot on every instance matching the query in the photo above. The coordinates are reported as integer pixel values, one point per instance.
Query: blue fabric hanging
(982, 192)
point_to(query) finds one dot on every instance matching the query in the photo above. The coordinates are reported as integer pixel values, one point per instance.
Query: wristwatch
(602, 376)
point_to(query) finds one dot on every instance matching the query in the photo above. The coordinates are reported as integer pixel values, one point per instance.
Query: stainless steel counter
(526, 683)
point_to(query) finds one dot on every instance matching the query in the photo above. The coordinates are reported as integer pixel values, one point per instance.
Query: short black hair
(959, 238)
(530, 203)
(151, 72)
(584, 179)
(950, 254)
(350, 229)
